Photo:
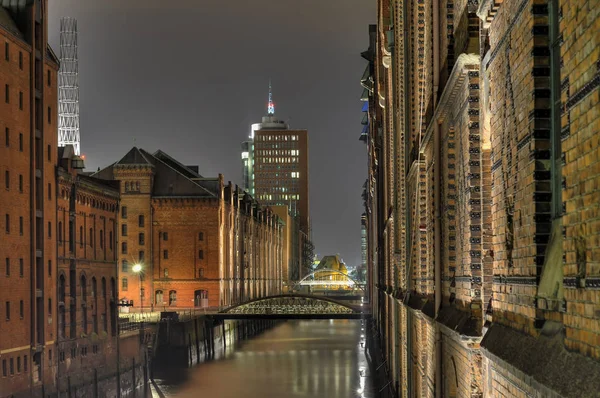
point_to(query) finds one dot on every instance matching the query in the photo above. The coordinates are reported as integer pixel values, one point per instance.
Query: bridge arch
(310, 279)
(292, 304)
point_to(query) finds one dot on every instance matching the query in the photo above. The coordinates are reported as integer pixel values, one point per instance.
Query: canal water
(301, 358)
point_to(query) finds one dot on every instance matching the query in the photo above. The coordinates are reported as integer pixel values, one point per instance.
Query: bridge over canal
(295, 306)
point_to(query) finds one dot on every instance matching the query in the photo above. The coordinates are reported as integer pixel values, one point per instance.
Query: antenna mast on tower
(271, 105)
(68, 86)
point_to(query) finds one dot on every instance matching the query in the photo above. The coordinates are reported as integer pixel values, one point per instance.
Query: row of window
(7, 184)
(82, 350)
(276, 160)
(8, 265)
(278, 152)
(125, 281)
(277, 138)
(133, 186)
(21, 98)
(7, 228)
(62, 285)
(159, 300)
(7, 139)
(141, 253)
(7, 312)
(84, 308)
(81, 236)
(21, 66)
(8, 366)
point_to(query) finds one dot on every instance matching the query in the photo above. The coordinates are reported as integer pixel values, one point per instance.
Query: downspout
(437, 203)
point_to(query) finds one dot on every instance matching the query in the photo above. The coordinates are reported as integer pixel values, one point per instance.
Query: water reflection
(295, 359)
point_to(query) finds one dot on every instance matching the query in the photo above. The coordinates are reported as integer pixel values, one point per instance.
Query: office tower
(275, 160)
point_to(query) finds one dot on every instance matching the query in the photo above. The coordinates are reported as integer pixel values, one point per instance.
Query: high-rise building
(275, 160)
(68, 86)
(28, 125)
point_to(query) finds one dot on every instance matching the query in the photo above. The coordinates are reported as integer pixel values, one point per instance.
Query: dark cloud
(190, 76)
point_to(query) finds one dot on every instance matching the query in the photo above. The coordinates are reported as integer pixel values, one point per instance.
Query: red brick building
(482, 200)
(197, 242)
(28, 147)
(87, 219)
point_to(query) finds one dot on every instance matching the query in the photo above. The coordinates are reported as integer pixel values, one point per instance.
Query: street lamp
(137, 268)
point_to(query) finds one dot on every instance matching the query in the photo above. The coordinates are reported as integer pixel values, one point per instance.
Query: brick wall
(187, 232)
(580, 124)
(14, 246)
(136, 217)
(518, 125)
(87, 211)
(27, 249)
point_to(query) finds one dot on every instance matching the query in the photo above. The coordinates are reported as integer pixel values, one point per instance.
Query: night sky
(190, 76)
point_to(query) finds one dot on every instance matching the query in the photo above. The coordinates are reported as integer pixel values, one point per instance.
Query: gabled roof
(134, 157)
(185, 170)
(170, 177)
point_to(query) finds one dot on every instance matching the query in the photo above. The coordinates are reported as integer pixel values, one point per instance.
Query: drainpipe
(437, 204)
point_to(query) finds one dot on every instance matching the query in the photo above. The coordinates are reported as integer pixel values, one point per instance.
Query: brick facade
(87, 214)
(481, 204)
(199, 243)
(28, 125)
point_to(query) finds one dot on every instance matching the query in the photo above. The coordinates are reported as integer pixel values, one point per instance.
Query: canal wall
(378, 368)
(127, 379)
(181, 344)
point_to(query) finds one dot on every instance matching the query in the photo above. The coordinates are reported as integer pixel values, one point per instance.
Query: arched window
(103, 287)
(94, 288)
(201, 298)
(80, 236)
(61, 289)
(113, 289)
(101, 239)
(172, 297)
(110, 240)
(158, 297)
(60, 237)
(113, 311)
(61, 321)
(83, 288)
(91, 237)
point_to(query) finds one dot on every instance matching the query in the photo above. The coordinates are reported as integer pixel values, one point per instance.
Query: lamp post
(137, 268)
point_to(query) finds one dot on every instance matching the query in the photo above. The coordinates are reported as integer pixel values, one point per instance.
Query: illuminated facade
(187, 241)
(275, 172)
(68, 86)
(482, 136)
